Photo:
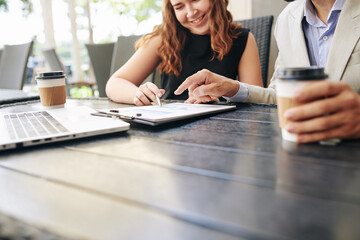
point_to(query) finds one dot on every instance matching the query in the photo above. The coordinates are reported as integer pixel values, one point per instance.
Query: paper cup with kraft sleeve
(52, 88)
(288, 81)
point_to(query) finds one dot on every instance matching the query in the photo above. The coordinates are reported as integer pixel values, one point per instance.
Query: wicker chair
(260, 27)
(13, 65)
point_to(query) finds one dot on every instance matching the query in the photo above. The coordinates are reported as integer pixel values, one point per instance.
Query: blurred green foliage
(140, 9)
(4, 5)
(27, 7)
(81, 92)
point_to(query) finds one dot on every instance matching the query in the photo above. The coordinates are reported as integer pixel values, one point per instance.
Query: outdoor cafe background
(67, 25)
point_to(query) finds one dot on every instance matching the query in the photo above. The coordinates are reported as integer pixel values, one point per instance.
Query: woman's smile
(196, 21)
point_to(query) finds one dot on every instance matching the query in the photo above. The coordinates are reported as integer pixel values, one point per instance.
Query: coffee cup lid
(308, 73)
(50, 75)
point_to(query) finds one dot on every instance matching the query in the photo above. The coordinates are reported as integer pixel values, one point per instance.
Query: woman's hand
(147, 93)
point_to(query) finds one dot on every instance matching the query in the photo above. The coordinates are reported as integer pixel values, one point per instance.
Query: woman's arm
(123, 85)
(249, 69)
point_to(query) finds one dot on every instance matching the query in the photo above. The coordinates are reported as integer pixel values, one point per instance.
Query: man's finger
(341, 131)
(207, 90)
(318, 124)
(319, 90)
(319, 136)
(194, 79)
(190, 100)
(314, 109)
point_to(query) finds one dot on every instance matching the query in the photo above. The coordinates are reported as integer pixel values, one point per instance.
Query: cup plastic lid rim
(50, 75)
(307, 73)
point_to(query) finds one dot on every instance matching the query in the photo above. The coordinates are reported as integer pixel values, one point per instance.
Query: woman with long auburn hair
(196, 35)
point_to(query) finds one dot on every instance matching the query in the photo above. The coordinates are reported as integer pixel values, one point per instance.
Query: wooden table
(229, 176)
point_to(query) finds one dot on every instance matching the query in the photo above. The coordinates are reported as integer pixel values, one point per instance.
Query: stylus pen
(105, 114)
(158, 101)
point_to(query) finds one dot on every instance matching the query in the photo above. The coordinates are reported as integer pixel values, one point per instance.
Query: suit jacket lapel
(346, 35)
(297, 38)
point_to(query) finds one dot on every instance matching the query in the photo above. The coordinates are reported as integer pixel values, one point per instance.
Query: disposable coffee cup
(290, 80)
(52, 88)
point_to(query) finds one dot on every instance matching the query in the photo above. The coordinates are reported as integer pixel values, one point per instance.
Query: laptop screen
(13, 95)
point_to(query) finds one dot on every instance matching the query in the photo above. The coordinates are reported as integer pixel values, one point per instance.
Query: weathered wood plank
(238, 208)
(78, 214)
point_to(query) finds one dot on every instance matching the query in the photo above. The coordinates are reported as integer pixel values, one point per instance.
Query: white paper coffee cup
(290, 80)
(52, 88)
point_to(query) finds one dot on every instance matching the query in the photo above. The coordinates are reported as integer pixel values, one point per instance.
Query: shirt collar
(310, 12)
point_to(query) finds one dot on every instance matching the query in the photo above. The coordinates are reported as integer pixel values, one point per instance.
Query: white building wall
(240, 9)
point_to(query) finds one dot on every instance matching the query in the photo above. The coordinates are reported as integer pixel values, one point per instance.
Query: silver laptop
(45, 126)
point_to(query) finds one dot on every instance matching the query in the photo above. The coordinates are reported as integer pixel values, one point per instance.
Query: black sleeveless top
(197, 56)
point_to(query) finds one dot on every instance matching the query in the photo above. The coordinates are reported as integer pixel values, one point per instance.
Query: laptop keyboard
(28, 125)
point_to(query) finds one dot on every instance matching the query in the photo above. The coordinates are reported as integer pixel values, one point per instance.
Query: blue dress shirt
(318, 35)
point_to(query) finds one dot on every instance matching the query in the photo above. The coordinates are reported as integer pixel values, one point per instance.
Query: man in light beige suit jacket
(344, 57)
(343, 67)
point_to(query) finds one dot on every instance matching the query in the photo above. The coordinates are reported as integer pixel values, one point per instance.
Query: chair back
(124, 49)
(13, 65)
(101, 56)
(260, 27)
(53, 60)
